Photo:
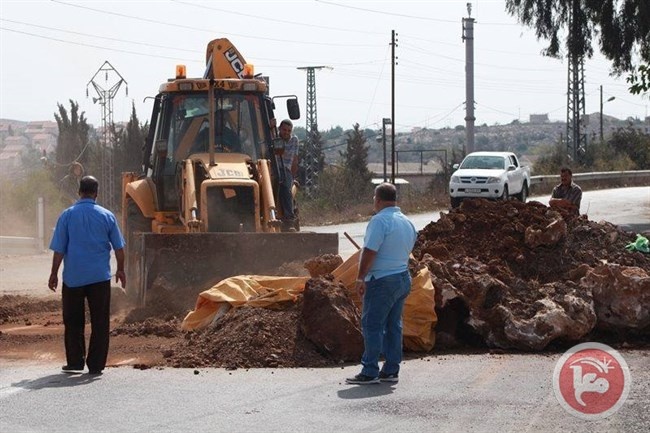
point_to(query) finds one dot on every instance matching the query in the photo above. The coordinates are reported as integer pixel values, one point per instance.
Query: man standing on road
(290, 162)
(383, 283)
(83, 237)
(566, 194)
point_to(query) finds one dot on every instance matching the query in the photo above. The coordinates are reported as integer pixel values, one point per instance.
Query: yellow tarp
(419, 318)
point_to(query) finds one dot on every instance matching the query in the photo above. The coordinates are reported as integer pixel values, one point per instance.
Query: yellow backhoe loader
(204, 207)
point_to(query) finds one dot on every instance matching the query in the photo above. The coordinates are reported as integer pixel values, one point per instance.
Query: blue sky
(50, 50)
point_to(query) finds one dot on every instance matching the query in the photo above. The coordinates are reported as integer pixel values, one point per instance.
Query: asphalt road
(441, 392)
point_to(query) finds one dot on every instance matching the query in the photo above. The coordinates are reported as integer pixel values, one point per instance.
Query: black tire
(135, 222)
(523, 195)
(506, 194)
(455, 202)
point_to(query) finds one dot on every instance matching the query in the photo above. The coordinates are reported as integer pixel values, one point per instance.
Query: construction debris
(520, 276)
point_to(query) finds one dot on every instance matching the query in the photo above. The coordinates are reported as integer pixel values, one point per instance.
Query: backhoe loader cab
(204, 207)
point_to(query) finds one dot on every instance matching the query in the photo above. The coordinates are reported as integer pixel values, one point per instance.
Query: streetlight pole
(611, 98)
(385, 121)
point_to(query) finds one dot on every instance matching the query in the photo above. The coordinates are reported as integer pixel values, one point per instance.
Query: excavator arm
(232, 67)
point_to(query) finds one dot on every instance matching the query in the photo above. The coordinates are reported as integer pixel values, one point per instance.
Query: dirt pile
(322, 265)
(322, 328)
(248, 337)
(15, 308)
(517, 275)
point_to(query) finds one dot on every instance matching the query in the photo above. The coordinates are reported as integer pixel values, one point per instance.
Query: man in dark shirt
(567, 194)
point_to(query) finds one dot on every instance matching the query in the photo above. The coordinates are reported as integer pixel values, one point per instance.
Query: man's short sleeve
(59, 242)
(375, 234)
(117, 240)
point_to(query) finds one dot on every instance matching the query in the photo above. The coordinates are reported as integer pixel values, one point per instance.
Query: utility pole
(611, 98)
(468, 38)
(392, 115)
(576, 136)
(385, 121)
(105, 97)
(310, 162)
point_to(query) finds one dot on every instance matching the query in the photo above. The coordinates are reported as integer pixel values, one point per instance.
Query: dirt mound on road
(512, 273)
(15, 307)
(248, 337)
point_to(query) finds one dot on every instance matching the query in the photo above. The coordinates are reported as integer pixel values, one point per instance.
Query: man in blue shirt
(83, 238)
(290, 163)
(384, 282)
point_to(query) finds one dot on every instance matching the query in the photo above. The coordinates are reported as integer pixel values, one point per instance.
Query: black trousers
(74, 321)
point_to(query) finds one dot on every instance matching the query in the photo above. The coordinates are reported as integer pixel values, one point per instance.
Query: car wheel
(455, 202)
(523, 195)
(506, 194)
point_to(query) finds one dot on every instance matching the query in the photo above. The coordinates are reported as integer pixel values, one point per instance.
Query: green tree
(639, 80)
(355, 156)
(621, 27)
(128, 150)
(634, 144)
(317, 148)
(129, 145)
(73, 146)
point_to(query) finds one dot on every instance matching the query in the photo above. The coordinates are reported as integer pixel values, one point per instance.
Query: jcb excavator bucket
(189, 263)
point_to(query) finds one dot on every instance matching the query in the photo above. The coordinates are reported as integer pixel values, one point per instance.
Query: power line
(496, 110)
(211, 31)
(100, 37)
(392, 14)
(290, 63)
(95, 46)
(276, 20)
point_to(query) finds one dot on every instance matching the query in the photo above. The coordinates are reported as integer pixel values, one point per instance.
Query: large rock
(621, 296)
(548, 236)
(521, 314)
(331, 321)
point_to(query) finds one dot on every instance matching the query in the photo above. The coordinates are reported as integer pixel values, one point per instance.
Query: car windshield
(238, 125)
(483, 162)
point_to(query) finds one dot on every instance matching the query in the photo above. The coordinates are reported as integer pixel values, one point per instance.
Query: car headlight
(455, 179)
(493, 180)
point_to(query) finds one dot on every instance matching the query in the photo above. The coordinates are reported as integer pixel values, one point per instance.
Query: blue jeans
(381, 322)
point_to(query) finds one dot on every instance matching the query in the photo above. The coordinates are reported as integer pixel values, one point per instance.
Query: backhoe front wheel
(136, 222)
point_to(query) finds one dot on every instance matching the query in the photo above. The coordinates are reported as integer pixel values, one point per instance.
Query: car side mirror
(455, 166)
(511, 167)
(293, 108)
